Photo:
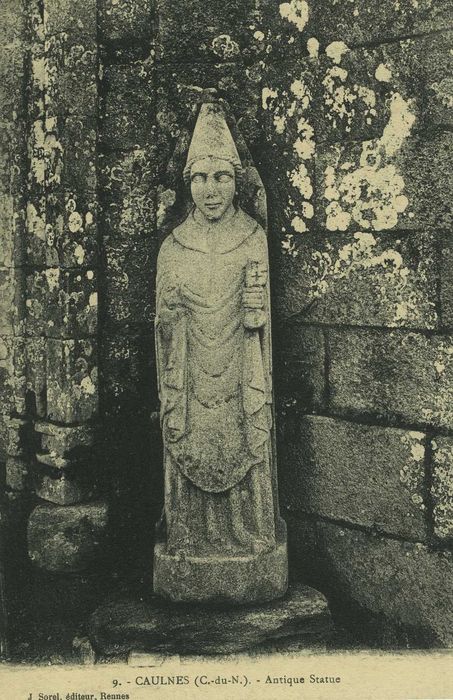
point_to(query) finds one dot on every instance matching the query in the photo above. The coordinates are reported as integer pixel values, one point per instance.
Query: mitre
(212, 138)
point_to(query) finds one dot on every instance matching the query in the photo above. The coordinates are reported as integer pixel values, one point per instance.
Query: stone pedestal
(259, 577)
(153, 625)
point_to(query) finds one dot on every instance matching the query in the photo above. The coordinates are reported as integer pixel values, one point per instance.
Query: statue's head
(213, 167)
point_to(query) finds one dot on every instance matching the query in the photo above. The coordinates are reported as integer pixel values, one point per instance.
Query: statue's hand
(253, 298)
(172, 297)
(170, 310)
(253, 305)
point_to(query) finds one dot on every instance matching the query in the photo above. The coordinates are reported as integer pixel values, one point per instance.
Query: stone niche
(211, 595)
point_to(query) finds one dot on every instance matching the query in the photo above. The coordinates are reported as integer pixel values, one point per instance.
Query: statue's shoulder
(256, 234)
(181, 228)
(167, 247)
(247, 222)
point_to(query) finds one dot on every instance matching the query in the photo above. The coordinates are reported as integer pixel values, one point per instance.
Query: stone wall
(362, 279)
(345, 108)
(127, 179)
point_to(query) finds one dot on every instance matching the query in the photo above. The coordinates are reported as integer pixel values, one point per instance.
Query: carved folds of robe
(215, 391)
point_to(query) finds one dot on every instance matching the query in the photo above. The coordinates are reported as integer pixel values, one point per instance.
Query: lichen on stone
(370, 192)
(225, 47)
(345, 99)
(335, 50)
(412, 471)
(296, 12)
(290, 109)
(442, 487)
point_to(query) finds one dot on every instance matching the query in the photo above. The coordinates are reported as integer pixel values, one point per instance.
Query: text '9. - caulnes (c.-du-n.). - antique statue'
(221, 538)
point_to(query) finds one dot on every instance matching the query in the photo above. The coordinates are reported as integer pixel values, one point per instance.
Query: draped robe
(215, 389)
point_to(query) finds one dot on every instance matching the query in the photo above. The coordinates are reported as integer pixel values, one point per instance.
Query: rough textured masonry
(346, 108)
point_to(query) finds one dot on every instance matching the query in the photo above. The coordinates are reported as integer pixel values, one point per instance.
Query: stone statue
(221, 538)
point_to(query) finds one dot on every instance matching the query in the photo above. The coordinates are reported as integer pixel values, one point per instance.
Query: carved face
(212, 183)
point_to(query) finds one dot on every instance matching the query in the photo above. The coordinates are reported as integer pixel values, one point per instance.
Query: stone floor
(64, 647)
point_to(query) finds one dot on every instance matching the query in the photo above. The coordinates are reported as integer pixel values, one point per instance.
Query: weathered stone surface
(54, 460)
(13, 17)
(404, 591)
(126, 20)
(351, 102)
(130, 244)
(11, 306)
(56, 606)
(37, 36)
(60, 489)
(30, 362)
(363, 21)
(436, 66)
(71, 69)
(367, 475)
(36, 227)
(152, 625)
(446, 281)
(179, 91)
(266, 31)
(130, 272)
(83, 651)
(360, 279)
(383, 184)
(12, 238)
(70, 143)
(7, 380)
(3, 417)
(442, 486)
(72, 232)
(22, 374)
(213, 32)
(63, 439)
(11, 435)
(12, 375)
(299, 367)
(67, 538)
(13, 159)
(15, 434)
(402, 376)
(356, 92)
(16, 473)
(189, 34)
(12, 85)
(62, 304)
(127, 181)
(429, 195)
(287, 109)
(66, 464)
(12, 20)
(76, 17)
(61, 230)
(221, 579)
(128, 106)
(71, 380)
(351, 95)
(6, 230)
(128, 374)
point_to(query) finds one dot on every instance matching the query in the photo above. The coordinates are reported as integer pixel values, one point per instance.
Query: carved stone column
(66, 529)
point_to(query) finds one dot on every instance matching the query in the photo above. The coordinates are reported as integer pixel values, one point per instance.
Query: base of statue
(299, 620)
(254, 578)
